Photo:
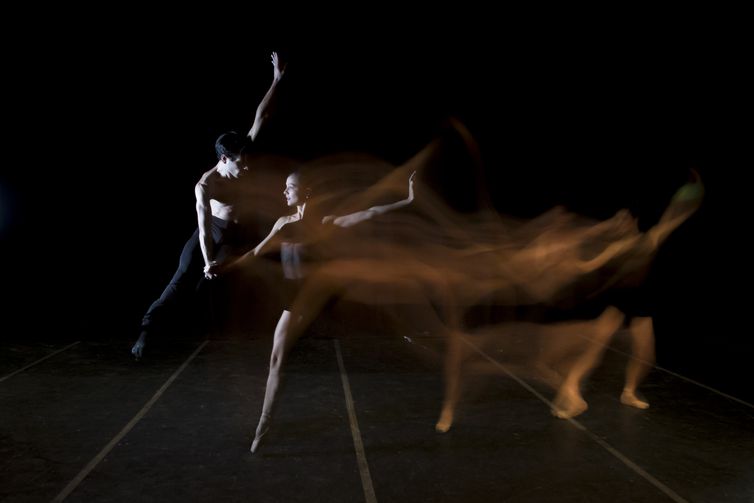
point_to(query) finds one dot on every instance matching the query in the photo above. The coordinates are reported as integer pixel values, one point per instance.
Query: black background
(112, 122)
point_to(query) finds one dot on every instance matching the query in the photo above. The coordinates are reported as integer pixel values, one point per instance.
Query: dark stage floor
(84, 422)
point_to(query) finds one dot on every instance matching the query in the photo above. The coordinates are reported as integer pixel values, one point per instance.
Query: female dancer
(295, 234)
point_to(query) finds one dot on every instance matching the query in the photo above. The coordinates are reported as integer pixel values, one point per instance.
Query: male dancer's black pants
(190, 273)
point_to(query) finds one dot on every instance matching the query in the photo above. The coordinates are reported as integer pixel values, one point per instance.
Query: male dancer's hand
(278, 68)
(211, 270)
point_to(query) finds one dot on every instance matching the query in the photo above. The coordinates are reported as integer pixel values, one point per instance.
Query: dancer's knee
(276, 362)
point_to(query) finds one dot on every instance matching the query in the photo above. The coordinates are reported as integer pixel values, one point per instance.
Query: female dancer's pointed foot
(255, 444)
(262, 429)
(138, 348)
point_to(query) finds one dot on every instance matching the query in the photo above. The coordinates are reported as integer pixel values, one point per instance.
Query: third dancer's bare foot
(445, 421)
(629, 398)
(568, 404)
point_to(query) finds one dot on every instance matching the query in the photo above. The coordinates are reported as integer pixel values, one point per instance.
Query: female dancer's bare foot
(262, 428)
(628, 397)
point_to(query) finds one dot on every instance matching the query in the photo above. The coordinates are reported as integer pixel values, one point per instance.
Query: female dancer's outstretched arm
(360, 216)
